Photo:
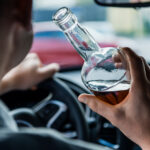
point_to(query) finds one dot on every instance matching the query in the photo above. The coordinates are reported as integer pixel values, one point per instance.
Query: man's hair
(23, 10)
(3, 2)
(5, 5)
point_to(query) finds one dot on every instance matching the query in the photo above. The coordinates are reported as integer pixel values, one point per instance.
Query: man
(27, 74)
(15, 42)
(14, 47)
(131, 116)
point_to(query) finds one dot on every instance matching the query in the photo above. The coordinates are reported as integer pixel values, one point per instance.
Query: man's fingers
(49, 70)
(136, 65)
(146, 68)
(116, 58)
(119, 60)
(98, 106)
(119, 65)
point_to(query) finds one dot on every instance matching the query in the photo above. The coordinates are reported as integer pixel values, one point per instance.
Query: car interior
(54, 103)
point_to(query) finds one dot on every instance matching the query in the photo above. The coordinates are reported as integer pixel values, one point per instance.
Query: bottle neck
(82, 41)
(65, 19)
(79, 37)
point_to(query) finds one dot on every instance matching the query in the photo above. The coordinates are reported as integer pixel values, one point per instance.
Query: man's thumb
(97, 105)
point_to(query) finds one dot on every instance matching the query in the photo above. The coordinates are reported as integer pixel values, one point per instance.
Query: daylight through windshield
(109, 26)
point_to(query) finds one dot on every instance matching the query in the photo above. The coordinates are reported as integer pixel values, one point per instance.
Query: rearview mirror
(124, 3)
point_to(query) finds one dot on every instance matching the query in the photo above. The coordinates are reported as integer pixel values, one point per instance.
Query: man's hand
(29, 73)
(132, 115)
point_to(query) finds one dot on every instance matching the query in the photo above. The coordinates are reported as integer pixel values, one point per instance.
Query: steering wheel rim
(58, 88)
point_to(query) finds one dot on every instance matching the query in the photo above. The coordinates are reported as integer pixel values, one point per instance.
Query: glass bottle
(99, 73)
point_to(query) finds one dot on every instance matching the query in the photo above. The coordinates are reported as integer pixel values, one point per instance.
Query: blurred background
(128, 22)
(109, 26)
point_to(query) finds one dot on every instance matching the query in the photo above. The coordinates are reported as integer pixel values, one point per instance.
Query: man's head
(15, 32)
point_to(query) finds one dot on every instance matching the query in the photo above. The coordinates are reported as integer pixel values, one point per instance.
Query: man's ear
(23, 12)
(20, 39)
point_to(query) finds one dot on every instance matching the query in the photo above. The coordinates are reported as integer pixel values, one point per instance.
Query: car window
(109, 26)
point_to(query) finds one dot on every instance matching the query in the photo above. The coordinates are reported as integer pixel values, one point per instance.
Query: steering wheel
(55, 110)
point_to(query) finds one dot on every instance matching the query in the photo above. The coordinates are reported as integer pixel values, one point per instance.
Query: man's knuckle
(137, 62)
(142, 58)
(126, 48)
(33, 56)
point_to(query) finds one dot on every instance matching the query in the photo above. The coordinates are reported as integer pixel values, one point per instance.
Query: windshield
(109, 26)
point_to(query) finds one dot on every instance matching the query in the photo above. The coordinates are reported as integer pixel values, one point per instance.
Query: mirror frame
(125, 5)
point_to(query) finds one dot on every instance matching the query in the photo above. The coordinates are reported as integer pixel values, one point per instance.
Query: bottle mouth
(62, 15)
